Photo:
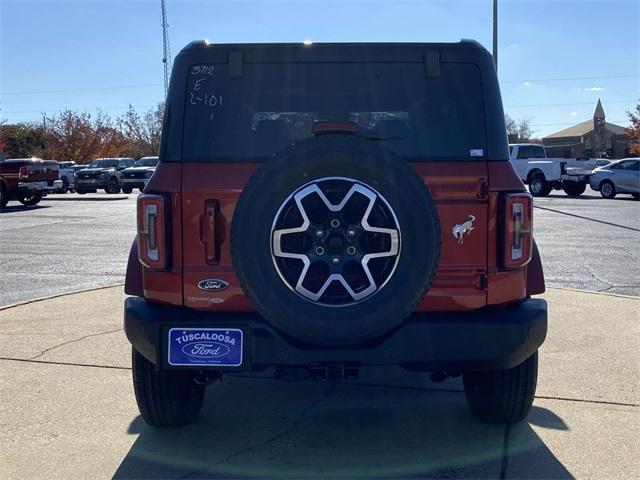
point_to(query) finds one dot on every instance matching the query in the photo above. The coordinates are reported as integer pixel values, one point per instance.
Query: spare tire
(335, 240)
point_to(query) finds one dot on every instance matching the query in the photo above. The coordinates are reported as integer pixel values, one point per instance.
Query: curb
(57, 295)
(629, 297)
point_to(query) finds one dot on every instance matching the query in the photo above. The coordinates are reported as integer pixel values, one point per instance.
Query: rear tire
(4, 196)
(271, 285)
(65, 186)
(538, 185)
(607, 189)
(165, 398)
(574, 189)
(127, 190)
(29, 200)
(79, 191)
(502, 395)
(113, 186)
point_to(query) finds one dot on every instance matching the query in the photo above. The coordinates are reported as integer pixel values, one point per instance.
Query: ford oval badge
(212, 285)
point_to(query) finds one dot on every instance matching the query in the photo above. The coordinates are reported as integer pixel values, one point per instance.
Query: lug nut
(319, 251)
(335, 260)
(351, 250)
(319, 233)
(335, 223)
(351, 232)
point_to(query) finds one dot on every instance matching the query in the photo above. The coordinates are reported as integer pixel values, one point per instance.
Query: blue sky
(556, 58)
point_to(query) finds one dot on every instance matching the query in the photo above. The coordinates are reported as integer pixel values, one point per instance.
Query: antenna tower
(166, 49)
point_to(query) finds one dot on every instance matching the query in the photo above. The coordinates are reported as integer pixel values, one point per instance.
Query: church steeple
(599, 113)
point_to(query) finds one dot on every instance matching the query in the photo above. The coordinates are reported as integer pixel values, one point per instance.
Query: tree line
(82, 136)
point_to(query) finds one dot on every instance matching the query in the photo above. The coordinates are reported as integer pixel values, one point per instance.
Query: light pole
(495, 33)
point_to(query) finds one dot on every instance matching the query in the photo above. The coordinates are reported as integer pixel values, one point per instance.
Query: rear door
(628, 175)
(234, 122)
(460, 190)
(635, 170)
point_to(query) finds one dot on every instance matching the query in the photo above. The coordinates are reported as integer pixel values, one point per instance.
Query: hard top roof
(205, 44)
(462, 50)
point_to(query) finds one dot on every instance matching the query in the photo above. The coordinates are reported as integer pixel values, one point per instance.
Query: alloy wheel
(335, 241)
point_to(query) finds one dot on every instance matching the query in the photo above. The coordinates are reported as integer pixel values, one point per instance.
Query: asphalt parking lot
(71, 242)
(65, 243)
(589, 243)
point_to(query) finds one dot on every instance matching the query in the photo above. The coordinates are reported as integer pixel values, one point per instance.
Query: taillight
(152, 231)
(517, 230)
(23, 173)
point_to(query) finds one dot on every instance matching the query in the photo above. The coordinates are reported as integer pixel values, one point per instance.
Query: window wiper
(378, 136)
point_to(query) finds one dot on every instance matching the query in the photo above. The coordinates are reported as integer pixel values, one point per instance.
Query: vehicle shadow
(589, 196)
(21, 208)
(275, 429)
(78, 198)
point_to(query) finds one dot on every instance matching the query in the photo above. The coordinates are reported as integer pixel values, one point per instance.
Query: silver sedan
(620, 176)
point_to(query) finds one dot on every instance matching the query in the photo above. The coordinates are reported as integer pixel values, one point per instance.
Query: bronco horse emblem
(460, 229)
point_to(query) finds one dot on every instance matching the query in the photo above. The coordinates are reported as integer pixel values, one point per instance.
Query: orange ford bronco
(321, 208)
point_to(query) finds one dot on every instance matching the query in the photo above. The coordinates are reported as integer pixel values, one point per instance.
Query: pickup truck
(27, 180)
(67, 176)
(544, 174)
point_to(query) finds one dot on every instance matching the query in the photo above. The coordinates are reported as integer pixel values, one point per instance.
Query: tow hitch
(323, 373)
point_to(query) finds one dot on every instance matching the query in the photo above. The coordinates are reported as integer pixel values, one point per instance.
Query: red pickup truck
(27, 180)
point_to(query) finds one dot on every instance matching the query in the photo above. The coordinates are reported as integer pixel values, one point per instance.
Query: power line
(78, 108)
(568, 78)
(566, 104)
(567, 123)
(147, 85)
(74, 90)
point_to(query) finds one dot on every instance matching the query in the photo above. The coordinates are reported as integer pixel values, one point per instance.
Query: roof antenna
(166, 50)
(495, 34)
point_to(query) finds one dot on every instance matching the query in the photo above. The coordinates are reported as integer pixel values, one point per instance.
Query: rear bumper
(44, 186)
(578, 178)
(490, 338)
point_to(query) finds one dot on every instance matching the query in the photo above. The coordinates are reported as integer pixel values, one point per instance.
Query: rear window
(104, 163)
(146, 162)
(531, 151)
(274, 105)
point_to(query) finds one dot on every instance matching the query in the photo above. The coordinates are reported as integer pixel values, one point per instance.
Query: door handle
(212, 245)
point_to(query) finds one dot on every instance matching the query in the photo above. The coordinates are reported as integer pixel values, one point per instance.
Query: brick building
(594, 138)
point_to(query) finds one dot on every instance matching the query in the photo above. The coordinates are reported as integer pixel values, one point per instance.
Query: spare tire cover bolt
(335, 223)
(351, 232)
(351, 250)
(319, 251)
(335, 260)
(319, 233)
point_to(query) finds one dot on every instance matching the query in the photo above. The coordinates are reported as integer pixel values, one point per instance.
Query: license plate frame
(205, 347)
